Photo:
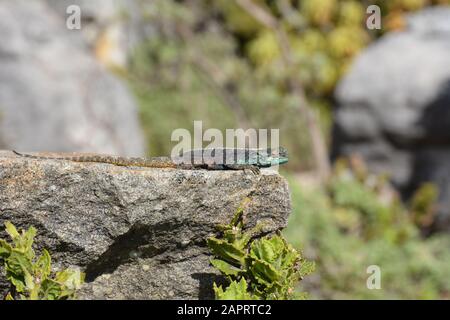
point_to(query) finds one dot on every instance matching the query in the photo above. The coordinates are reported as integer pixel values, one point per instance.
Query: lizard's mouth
(277, 161)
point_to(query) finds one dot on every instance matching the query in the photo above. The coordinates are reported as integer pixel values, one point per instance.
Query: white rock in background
(112, 28)
(54, 95)
(394, 106)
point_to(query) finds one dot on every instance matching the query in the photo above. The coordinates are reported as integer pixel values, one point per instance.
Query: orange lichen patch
(395, 21)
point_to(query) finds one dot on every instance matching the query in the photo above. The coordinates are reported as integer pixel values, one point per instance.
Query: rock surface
(394, 107)
(53, 94)
(138, 233)
(111, 28)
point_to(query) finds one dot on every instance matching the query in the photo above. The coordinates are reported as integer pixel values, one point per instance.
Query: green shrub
(423, 204)
(353, 224)
(31, 277)
(263, 269)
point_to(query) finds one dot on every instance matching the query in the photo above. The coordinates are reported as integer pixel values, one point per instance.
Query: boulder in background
(54, 95)
(393, 107)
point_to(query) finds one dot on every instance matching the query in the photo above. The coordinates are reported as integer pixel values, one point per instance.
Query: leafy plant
(31, 277)
(261, 269)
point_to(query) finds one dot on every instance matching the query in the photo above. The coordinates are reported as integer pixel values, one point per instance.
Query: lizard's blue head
(273, 156)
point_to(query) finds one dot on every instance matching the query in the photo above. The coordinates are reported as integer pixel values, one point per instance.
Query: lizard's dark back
(219, 156)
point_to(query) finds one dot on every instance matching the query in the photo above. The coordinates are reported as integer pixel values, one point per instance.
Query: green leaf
(50, 290)
(18, 267)
(18, 262)
(11, 230)
(264, 272)
(235, 291)
(226, 251)
(29, 281)
(18, 283)
(307, 267)
(32, 279)
(237, 218)
(9, 297)
(44, 264)
(26, 242)
(263, 249)
(70, 278)
(225, 267)
(218, 291)
(5, 249)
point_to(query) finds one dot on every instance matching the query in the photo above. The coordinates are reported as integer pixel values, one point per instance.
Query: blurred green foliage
(358, 222)
(212, 61)
(325, 35)
(423, 204)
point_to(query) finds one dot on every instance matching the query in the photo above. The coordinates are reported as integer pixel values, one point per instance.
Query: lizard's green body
(211, 159)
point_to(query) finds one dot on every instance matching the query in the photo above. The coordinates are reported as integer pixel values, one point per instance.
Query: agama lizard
(210, 159)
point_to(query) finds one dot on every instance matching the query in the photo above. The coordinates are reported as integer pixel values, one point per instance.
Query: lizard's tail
(25, 155)
(21, 154)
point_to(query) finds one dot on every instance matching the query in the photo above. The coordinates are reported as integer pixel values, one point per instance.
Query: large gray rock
(112, 28)
(53, 94)
(137, 233)
(394, 106)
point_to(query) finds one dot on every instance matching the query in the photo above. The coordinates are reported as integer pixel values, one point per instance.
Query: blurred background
(365, 114)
